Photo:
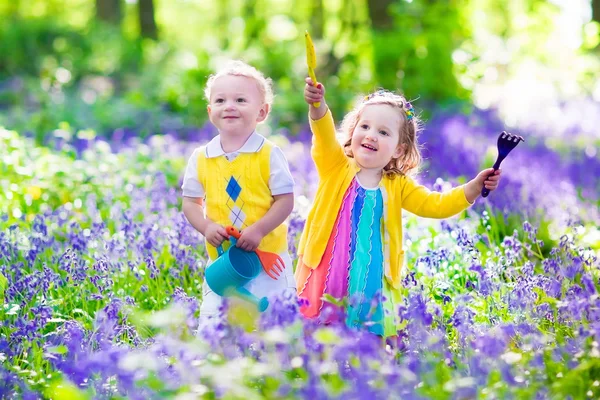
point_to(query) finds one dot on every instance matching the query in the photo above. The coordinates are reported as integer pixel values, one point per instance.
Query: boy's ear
(262, 115)
(208, 111)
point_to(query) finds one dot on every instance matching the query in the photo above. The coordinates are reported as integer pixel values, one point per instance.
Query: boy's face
(236, 105)
(376, 136)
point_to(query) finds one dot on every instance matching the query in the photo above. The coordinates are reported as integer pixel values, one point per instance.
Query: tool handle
(312, 75)
(485, 192)
(233, 231)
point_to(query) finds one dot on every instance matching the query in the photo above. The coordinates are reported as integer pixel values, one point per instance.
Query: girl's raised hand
(313, 93)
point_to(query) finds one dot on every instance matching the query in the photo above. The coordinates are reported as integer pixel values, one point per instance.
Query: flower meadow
(100, 279)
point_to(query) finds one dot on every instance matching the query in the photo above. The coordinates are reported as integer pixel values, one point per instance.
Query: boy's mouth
(368, 147)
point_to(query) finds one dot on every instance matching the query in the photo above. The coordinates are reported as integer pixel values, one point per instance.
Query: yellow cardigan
(336, 171)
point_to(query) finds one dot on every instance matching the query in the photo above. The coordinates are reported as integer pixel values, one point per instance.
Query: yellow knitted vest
(237, 193)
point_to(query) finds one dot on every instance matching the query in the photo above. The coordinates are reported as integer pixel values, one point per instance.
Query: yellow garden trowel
(311, 60)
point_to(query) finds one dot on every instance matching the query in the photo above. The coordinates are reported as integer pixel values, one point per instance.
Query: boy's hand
(250, 238)
(488, 178)
(215, 234)
(315, 93)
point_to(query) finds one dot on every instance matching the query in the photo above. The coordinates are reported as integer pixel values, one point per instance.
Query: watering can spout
(261, 304)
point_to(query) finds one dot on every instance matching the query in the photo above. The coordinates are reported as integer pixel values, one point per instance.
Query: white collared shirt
(280, 178)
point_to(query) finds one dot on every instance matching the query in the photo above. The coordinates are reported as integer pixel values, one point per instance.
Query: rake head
(506, 142)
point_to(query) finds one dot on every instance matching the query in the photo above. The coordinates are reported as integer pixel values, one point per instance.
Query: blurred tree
(147, 22)
(13, 8)
(109, 11)
(223, 19)
(381, 18)
(316, 19)
(413, 44)
(596, 10)
(254, 22)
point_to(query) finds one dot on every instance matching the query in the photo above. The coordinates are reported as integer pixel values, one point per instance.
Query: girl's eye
(240, 100)
(384, 133)
(364, 126)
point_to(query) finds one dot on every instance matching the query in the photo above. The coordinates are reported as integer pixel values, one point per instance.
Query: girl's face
(236, 105)
(375, 140)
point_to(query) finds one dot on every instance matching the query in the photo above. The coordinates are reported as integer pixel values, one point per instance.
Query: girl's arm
(326, 150)
(251, 236)
(423, 202)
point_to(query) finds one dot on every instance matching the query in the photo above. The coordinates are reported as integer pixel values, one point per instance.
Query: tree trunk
(148, 27)
(13, 8)
(596, 10)
(316, 19)
(109, 11)
(381, 18)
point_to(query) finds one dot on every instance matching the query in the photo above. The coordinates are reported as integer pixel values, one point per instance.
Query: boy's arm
(193, 210)
(282, 207)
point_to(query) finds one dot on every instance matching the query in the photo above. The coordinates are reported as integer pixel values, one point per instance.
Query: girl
(240, 178)
(351, 246)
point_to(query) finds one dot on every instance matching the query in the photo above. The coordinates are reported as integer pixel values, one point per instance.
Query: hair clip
(410, 111)
(408, 108)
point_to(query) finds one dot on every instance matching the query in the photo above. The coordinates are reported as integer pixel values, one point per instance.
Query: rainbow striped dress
(352, 268)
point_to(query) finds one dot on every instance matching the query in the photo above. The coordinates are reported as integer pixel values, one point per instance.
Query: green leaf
(61, 349)
(3, 286)
(326, 336)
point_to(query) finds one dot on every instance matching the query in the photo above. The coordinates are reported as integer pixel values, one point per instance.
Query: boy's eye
(241, 100)
(219, 100)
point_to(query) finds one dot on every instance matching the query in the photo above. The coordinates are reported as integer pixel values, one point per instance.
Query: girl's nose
(371, 137)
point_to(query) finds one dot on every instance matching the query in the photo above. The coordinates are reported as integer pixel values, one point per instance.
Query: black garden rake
(506, 142)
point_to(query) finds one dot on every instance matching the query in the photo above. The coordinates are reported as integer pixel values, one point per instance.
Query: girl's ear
(262, 114)
(400, 149)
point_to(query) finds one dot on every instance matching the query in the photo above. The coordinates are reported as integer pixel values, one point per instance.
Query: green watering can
(235, 267)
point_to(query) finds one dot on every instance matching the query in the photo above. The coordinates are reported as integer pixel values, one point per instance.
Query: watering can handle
(233, 241)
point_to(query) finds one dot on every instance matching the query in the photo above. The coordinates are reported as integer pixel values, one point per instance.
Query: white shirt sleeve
(191, 186)
(280, 180)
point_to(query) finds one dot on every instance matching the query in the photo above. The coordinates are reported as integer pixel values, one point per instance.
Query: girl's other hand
(489, 178)
(215, 234)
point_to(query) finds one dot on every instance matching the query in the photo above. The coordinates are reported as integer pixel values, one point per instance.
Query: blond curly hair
(240, 68)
